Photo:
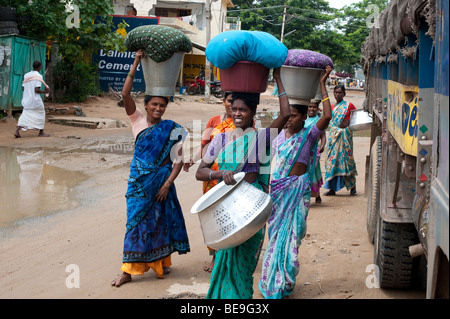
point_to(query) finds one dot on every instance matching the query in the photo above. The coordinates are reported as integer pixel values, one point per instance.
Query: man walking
(33, 115)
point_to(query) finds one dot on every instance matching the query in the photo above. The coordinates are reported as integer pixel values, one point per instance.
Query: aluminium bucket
(161, 78)
(300, 83)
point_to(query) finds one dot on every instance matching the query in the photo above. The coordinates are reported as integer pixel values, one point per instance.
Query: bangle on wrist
(325, 99)
(224, 173)
(324, 94)
(281, 94)
(131, 75)
(210, 175)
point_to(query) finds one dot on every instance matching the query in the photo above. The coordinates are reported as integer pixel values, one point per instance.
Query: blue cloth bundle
(229, 47)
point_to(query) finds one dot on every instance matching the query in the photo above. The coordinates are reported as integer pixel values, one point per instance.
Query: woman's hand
(188, 165)
(162, 193)
(324, 78)
(139, 55)
(228, 177)
(277, 74)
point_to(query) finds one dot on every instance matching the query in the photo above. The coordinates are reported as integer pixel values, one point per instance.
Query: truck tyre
(373, 202)
(391, 253)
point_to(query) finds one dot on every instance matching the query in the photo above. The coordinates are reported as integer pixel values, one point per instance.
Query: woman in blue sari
(241, 150)
(155, 223)
(290, 188)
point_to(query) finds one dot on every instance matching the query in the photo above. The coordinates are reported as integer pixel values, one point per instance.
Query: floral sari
(154, 229)
(232, 275)
(287, 223)
(340, 168)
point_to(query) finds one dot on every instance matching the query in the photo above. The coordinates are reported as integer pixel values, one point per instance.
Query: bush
(74, 82)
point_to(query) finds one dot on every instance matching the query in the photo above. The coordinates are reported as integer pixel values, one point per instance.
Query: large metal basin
(300, 83)
(161, 78)
(231, 214)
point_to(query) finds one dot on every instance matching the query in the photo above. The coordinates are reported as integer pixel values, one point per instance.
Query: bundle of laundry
(227, 48)
(307, 59)
(158, 42)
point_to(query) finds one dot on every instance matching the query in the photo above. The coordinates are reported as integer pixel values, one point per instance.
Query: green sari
(232, 276)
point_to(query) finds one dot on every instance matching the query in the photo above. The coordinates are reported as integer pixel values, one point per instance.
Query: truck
(405, 60)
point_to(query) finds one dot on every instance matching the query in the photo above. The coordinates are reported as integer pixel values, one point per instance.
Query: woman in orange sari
(212, 129)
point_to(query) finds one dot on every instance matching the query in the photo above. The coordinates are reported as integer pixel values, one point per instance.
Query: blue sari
(287, 223)
(154, 229)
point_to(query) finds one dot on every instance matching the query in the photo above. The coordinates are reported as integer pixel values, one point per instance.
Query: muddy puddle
(31, 188)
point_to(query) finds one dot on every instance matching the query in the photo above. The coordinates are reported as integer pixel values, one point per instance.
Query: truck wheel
(373, 202)
(391, 253)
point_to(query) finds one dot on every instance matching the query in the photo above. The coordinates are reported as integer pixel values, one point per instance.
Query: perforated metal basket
(230, 214)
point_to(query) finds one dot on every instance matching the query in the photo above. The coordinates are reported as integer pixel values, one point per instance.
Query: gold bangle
(325, 99)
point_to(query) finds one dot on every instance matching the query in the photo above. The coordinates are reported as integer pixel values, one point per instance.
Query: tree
(93, 24)
(76, 28)
(353, 22)
(312, 25)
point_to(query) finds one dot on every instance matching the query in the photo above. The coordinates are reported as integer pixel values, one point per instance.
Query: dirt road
(42, 256)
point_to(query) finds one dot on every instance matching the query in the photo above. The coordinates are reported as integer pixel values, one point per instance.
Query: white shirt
(31, 99)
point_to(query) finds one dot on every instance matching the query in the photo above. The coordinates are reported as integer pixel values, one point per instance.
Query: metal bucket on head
(161, 78)
(300, 83)
(231, 214)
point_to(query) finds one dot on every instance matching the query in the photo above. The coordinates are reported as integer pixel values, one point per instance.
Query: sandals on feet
(353, 192)
(331, 192)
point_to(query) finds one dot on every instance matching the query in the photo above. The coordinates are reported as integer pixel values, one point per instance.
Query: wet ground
(30, 186)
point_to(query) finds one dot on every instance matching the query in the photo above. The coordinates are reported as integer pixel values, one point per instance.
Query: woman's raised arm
(130, 105)
(285, 110)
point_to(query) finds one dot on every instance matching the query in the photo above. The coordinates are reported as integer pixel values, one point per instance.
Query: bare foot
(209, 267)
(42, 134)
(16, 134)
(166, 270)
(124, 278)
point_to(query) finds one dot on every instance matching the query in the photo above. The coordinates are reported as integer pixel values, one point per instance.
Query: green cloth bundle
(158, 42)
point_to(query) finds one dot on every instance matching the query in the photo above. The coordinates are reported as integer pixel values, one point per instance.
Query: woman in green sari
(242, 150)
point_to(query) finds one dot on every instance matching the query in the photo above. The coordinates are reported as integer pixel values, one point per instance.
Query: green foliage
(312, 25)
(74, 78)
(48, 22)
(74, 81)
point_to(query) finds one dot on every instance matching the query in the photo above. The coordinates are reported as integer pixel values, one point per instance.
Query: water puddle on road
(31, 188)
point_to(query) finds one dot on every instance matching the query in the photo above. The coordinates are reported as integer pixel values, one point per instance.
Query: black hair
(149, 97)
(250, 99)
(225, 94)
(303, 109)
(340, 86)
(36, 64)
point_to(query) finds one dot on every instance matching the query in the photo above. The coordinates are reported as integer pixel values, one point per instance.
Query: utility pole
(207, 63)
(282, 25)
